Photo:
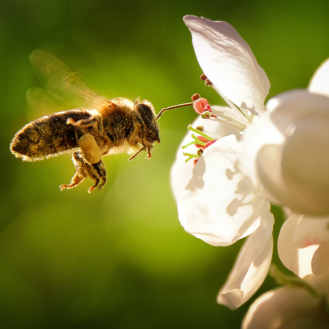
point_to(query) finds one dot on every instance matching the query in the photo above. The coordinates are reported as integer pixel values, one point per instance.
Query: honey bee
(104, 127)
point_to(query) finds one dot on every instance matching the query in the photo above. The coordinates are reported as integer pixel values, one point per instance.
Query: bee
(104, 127)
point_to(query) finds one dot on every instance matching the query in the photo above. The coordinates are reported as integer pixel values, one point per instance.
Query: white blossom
(303, 245)
(216, 201)
(280, 154)
(304, 249)
(291, 159)
(291, 162)
(289, 308)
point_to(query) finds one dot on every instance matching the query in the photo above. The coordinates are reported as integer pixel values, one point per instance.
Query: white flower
(283, 157)
(216, 201)
(304, 249)
(291, 159)
(290, 308)
(303, 245)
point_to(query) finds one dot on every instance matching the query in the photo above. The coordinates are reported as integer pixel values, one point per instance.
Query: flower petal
(252, 265)
(295, 259)
(274, 126)
(228, 62)
(319, 83)
(182, 172)
(287, 149)
(253, 143)
(311, 231)
(320, 261)
(286, 307)
(219, 205)
(312, 234)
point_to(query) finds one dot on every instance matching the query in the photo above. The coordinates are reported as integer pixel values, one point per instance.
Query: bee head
(150, 123)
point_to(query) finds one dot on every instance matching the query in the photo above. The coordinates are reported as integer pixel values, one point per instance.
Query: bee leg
(83, 123)
(96, 172)
(80, 175)
(149, 155)
(75, 181)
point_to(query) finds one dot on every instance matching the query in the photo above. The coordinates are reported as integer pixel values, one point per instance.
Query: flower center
(201, 141)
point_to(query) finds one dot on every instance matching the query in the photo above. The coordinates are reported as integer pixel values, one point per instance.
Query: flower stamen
(206, 115)
(196, 141)
(195, 97)
(190, 156)
(206, 80)
(201, 142)
(224, 119)
(200, 104)
(200, 133)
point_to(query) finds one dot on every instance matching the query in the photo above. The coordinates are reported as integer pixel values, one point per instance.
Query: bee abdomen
(47, 136)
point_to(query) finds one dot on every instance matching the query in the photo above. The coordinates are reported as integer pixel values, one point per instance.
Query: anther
(208, 83)
(199, 152)
(200, 104)
(207, 108)
(206, 115)
(195, 97)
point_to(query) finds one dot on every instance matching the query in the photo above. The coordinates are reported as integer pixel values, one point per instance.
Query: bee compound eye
(146, 113)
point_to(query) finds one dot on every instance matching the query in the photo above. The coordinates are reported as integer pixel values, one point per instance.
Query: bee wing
(62, 84)
(41, 103)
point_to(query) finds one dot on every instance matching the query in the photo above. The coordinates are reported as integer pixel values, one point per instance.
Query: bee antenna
(171, 108)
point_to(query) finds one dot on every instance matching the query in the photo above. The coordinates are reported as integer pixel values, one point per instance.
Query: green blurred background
(119, 258)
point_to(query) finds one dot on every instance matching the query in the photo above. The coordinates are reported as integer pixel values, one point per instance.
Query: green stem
(289, 280)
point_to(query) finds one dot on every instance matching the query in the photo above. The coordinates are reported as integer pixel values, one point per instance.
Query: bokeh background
(119, 258)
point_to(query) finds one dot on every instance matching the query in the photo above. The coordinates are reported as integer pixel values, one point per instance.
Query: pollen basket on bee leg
(90, 148)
